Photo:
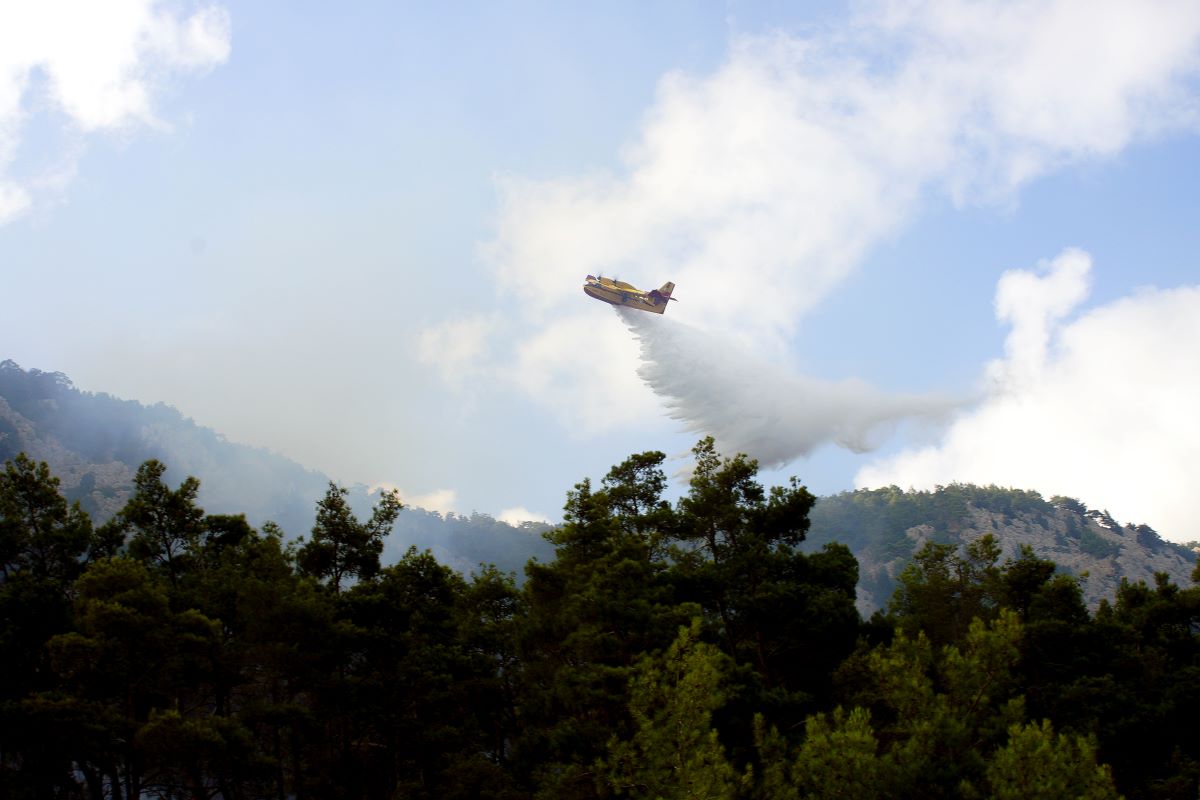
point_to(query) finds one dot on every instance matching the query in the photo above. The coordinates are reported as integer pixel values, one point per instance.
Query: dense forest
(685, 650)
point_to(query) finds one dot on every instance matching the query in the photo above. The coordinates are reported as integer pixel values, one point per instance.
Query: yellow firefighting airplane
(619, 293)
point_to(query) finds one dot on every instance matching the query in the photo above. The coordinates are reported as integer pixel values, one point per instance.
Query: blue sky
(958, 237)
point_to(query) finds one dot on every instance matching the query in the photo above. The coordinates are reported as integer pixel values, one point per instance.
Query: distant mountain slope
(95, 442)
(884, 527)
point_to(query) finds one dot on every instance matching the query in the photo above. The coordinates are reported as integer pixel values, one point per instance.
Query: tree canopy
(664, 650)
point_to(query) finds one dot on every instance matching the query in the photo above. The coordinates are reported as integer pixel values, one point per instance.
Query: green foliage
(1023, 580)
(675, 753)
(843, 757)
(587, 618)
(687, 650)
(470, 539)
(629, 570)
(44, 546)
(839, 759)
(879, 518)
(789, 616)
(883, 526)
(106, 436)
(1038, 764)
(97, 426)
(634, 491)
(41, 537)
(416, 696)
(940, 713)
(1096, 545)
(1069, 503)
(131, 658)
(341, 547)
(940, 592)
(1008, 502)
(166, 525)
(924, 722)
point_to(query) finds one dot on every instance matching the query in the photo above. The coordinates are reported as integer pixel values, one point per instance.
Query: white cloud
(442, 501)
(457, 347)
(1033, 304)
(445, 501)
(13, 200)
(1034, 84)
(97, 64)
(515, 516)
(1101, 408)
(732, 188)
(771, 177)
(199, 42)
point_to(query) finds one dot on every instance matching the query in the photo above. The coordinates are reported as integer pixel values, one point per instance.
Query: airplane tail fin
(659, 297)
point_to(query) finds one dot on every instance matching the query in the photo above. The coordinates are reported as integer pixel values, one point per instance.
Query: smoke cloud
(752, 406)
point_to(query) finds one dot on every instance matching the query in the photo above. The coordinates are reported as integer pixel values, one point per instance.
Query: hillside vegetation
(95, 443)
(885, 527)
(664, 651)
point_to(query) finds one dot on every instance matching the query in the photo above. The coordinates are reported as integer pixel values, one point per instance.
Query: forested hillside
(885, 527)
(664, 651)
(95, 443)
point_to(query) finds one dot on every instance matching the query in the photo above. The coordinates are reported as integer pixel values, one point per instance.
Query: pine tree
(342, 548)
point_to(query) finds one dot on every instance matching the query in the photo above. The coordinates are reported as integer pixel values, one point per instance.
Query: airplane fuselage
(619, 293)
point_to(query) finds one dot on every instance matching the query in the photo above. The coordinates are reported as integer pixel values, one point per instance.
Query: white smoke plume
(752, 406)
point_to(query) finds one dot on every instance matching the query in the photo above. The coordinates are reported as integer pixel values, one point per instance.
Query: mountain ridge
(885, 527)
(95, 442)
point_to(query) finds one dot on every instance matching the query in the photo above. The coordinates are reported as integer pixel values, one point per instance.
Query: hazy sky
(913, 242)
